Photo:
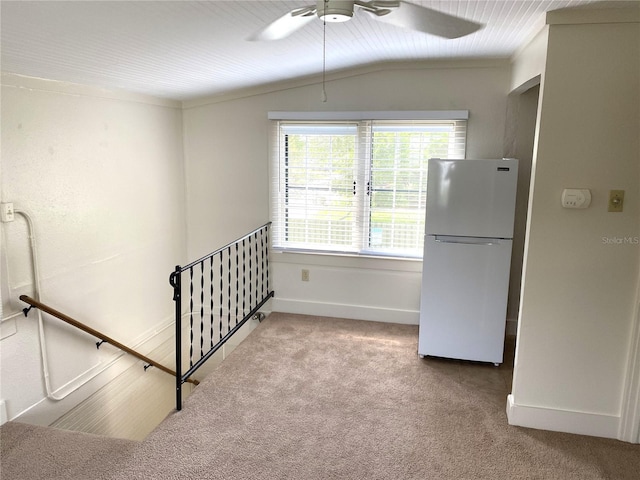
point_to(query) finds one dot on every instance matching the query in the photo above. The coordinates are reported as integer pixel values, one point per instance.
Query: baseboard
(47, 411)
(356, 312)
(3, 412)
(582, 423)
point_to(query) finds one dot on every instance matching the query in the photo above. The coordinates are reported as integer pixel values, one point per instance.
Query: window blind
(356, 186)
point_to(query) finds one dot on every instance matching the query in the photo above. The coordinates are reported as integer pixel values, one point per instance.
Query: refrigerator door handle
(466, 240)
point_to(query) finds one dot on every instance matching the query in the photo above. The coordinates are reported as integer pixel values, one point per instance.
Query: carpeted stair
(30, 452)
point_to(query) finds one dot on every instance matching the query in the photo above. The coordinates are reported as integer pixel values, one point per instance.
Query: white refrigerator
(467, 256)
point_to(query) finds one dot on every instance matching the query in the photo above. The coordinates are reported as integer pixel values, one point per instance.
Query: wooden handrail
(71, 321)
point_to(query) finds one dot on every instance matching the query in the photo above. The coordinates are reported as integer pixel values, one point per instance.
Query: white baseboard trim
(356, 312)
(3, 412)
(581, 423)
(47, 411)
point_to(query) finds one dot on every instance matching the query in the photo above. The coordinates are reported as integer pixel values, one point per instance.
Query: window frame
(362, 173)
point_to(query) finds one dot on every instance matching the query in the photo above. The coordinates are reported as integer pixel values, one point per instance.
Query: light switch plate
(616, 200)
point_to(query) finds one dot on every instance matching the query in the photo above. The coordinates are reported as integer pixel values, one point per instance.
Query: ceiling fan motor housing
(335, 10)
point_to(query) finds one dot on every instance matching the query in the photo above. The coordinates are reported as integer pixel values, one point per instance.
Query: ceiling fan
(398, 13)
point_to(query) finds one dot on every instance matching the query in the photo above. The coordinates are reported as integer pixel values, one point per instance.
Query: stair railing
(99, 335)
(226, 288)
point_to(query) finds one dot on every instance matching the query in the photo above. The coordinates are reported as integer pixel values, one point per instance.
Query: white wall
(529, 62)
(522, 113)
(579, 283)
(101, 174)
(527, 67)
(227, 161)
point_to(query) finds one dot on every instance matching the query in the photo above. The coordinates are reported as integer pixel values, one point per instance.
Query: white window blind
(356, 186)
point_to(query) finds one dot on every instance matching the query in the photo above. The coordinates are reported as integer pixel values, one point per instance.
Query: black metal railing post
(176, 282)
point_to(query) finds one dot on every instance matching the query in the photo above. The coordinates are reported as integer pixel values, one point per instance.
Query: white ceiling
(187, 49)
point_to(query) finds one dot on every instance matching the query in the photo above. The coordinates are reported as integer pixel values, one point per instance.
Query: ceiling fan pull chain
(324, 55)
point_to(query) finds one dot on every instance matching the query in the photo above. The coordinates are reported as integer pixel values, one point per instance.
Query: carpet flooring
(317, 398)
(29, 452)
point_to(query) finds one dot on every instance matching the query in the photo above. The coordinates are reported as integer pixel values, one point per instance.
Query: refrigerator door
(464, 298)
(471, 197)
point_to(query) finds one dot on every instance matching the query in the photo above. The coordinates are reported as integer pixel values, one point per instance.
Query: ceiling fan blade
(285, 25)
(423, 19)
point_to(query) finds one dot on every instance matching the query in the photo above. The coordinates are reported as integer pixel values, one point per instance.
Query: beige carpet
(316, 398)
(29, 452)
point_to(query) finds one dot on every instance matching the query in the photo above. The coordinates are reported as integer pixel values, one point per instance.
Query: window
(356, 186)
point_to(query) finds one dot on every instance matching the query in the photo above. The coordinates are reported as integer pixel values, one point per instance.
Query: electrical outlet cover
(7, 212)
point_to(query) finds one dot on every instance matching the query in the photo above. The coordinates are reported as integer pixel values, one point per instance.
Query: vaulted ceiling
(188, 49)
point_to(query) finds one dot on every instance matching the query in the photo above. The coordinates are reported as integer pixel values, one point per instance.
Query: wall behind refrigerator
(228, 138)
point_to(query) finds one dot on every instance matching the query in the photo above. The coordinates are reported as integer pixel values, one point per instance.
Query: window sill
(347, 260)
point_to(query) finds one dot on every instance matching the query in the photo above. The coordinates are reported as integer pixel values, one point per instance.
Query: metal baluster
(211, 301)
(221, 292)
(229, 290)
(244, 278)
(250, 277)
(191, 317)
(262, 260)
(267, 256)
(201, 309)
(257, 271)
(237, 282)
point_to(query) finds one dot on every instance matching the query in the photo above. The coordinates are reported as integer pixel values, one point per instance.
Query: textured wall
(101, 176)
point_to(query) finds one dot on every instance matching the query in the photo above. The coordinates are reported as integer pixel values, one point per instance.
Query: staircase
(131, 405)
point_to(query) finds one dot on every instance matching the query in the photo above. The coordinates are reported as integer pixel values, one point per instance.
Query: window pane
(398, 182)
(319, 163)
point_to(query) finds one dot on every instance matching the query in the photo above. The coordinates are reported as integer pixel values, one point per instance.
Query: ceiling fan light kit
(334, 12)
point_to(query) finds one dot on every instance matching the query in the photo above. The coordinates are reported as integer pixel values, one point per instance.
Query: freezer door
(471, 197)
(464, 298)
